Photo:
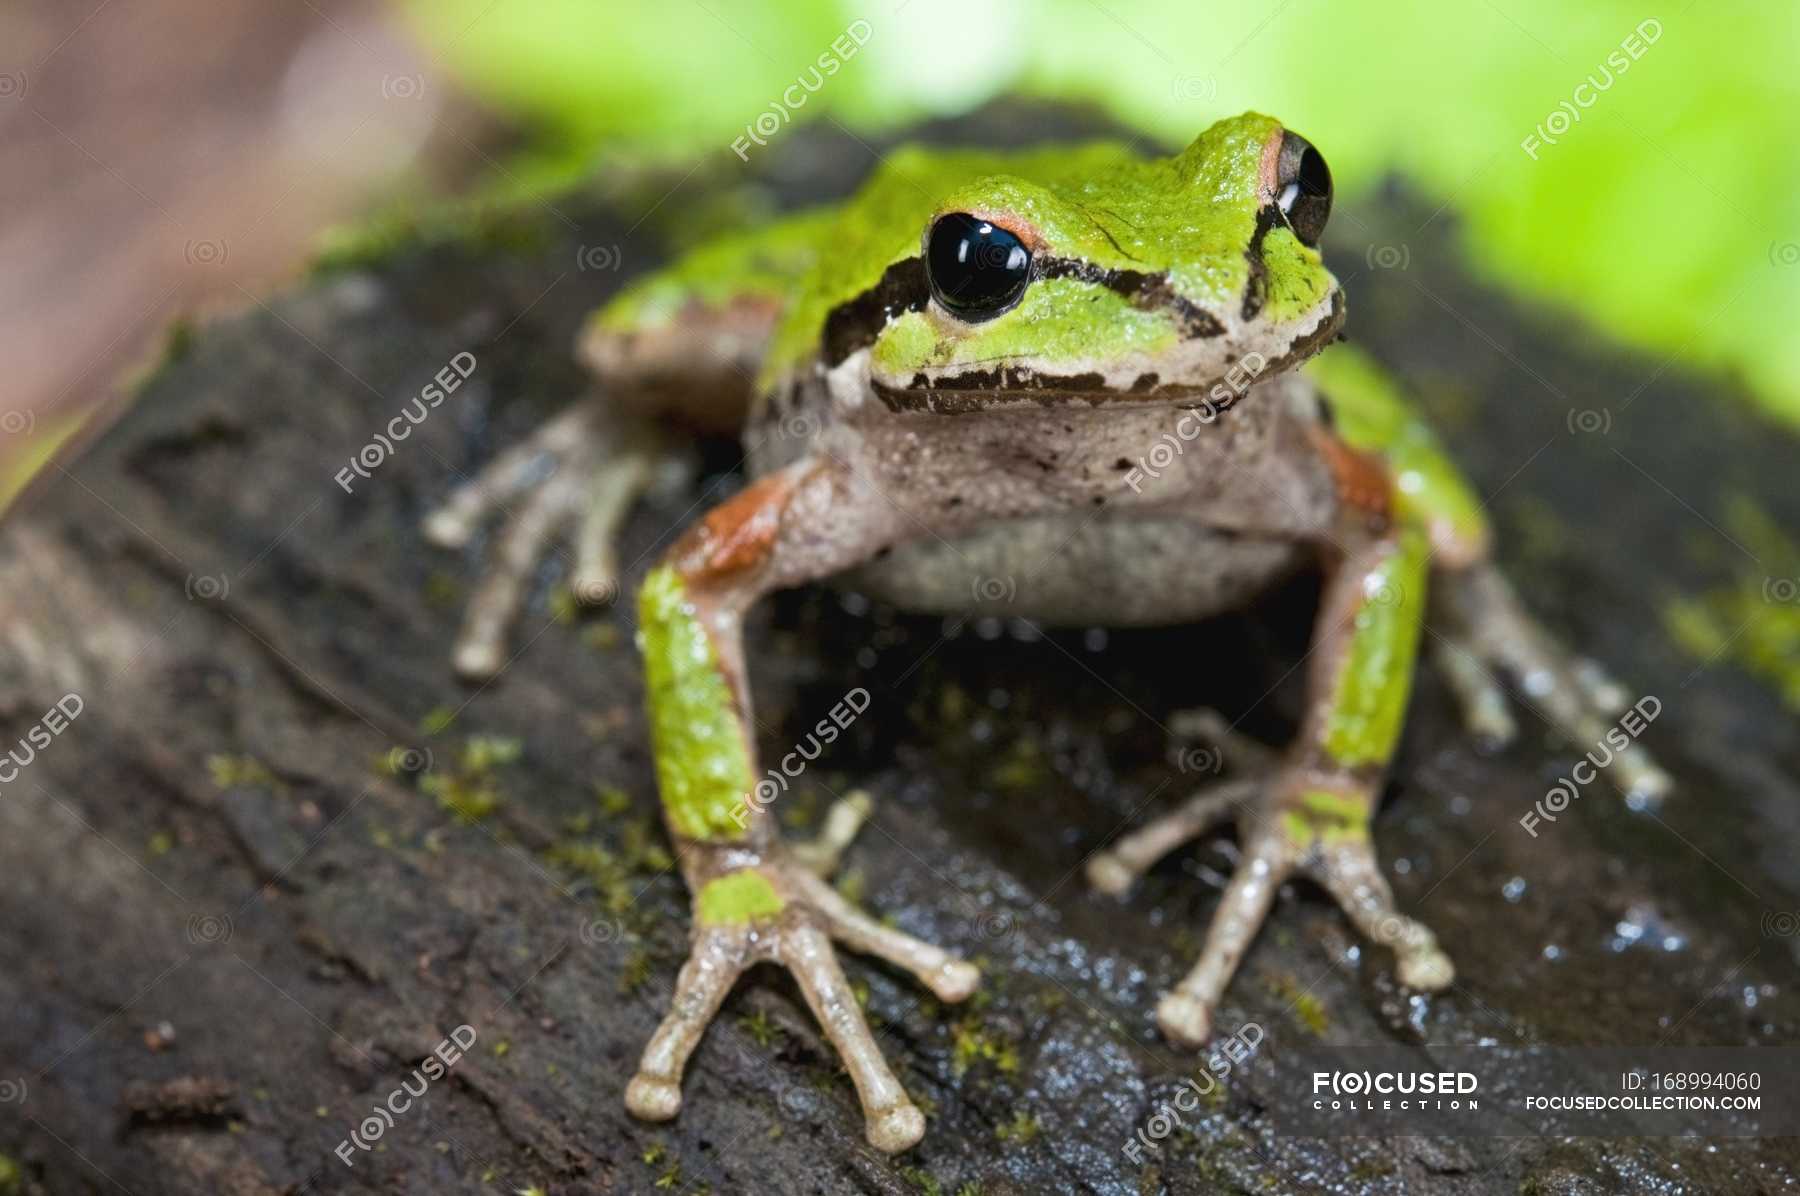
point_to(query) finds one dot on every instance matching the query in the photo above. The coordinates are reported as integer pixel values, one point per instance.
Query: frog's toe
(1185, 1013)
(1349, 871)
(846, 817)
(580, 472)
(1185, 1020)
(894, 1130)
(1487, 629)
(950, 978)
(717, 959)
(1487, 715)
(891, 1121)
(653, 1098)
(1114, 870)
(509, 475)
(481, 644)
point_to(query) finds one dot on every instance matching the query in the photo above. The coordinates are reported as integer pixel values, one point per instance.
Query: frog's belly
(1081, 569)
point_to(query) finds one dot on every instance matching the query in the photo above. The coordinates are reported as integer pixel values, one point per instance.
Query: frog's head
(1093, 276)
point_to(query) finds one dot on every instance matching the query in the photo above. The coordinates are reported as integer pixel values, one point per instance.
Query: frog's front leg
(1310, 814)
(755, 898)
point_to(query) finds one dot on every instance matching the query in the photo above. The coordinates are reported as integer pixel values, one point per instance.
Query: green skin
(1154, 282)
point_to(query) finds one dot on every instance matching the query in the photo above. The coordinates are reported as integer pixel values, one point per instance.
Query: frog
(1120, 377)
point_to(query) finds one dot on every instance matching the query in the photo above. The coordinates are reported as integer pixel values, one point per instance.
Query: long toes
(892, 1121)
(842, 822)
(655, 1091)
(950, 979)
(1603, 690)
(1573, 694)
(1350, 873)
(1185, 1012)
(507, 476)
(614, 483)
(1207, 726)
(481, 645)
(1487, 715)
(1116, 869)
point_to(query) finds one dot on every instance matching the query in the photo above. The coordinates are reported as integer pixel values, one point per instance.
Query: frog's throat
(1152, 380)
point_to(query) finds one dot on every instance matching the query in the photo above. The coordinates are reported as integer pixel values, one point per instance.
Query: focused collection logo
(1386, 1091)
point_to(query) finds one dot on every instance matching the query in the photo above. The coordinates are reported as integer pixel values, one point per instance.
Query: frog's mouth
(1198, 370)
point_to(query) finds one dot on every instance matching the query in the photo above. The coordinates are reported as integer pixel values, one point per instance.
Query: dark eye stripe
(904, 287)
(854, 325)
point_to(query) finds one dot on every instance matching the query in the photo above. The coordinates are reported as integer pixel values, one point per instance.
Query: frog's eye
(1303, 187)
(977, 269)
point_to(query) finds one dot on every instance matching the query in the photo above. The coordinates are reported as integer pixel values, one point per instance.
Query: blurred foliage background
(178, 156)
(1668, 215)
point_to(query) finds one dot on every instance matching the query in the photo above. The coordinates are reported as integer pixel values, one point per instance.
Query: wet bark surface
(280, 853)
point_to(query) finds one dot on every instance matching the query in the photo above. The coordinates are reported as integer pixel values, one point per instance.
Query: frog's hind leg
(580, 473)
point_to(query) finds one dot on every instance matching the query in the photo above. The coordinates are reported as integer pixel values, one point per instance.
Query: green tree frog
(1075, 357)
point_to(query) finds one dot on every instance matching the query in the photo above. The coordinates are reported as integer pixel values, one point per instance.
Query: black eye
(977, 269)
(1303, 188)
